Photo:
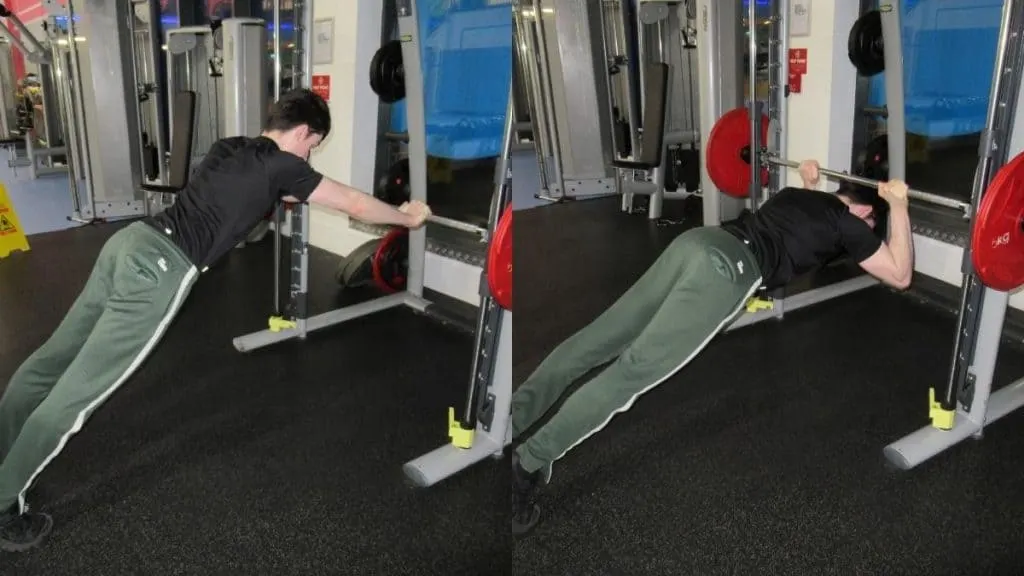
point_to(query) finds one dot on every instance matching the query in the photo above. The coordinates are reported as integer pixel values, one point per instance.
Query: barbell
(384, 262)
(862, 181)
(997, 234)
(458, 225)
(729, 162)
(394, 188)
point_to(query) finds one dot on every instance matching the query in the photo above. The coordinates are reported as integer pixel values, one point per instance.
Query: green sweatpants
(136, 287)
(694, 289)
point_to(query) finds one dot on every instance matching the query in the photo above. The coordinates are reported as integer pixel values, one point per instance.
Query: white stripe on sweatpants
(139, 358)
(629, 403)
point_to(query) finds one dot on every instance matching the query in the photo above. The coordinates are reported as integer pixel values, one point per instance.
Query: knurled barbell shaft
(853, 179)
(457, 225)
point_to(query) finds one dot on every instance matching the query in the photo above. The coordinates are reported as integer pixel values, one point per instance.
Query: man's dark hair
(858, 194)
(298, 107)
(864, 195)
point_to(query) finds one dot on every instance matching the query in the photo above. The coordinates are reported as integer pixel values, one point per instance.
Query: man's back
(798, 230)
(226, 196)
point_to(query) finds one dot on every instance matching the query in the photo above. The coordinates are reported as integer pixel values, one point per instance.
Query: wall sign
(322, 86)
(800, 17)
(323, 41)
(798, 60)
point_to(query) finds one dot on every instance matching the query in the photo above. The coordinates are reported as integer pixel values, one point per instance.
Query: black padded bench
(655, 96)
(184, 114)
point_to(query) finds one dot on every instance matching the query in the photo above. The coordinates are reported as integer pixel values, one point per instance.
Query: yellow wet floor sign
(12, 237)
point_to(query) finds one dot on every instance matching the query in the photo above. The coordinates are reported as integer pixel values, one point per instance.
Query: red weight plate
(499, 261)
(385, 275)
(726, 166)
(997, 240)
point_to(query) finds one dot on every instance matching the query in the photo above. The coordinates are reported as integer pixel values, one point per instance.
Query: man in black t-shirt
(694, 289)
(142, 276)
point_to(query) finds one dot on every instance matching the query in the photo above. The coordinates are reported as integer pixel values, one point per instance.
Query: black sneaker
(525, 510)
(19, 533)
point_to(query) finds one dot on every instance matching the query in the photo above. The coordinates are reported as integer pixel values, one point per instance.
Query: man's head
(298, 122)
(864, 203)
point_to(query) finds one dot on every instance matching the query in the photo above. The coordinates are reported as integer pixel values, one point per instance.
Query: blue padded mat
(466, 52)
(949, 49)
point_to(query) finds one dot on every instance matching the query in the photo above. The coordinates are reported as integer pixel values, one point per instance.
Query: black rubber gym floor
(764, 455)
(285, 460)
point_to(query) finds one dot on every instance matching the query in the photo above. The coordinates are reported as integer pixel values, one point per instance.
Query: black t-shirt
(233, 188)
(797, 230)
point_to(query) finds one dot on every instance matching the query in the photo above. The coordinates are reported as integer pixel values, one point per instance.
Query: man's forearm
(357, 204)
(901, 241)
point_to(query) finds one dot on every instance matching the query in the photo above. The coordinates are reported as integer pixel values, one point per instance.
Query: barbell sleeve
(854, 179)
(457, 225)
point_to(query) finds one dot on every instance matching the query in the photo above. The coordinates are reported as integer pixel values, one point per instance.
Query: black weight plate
(876, 167)
(396, 189)
(358, 274)
(356, 269)
(387, 74)
(150, 161)
(672, 172)
(864, 45)
(876, 158)
(690, 169)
